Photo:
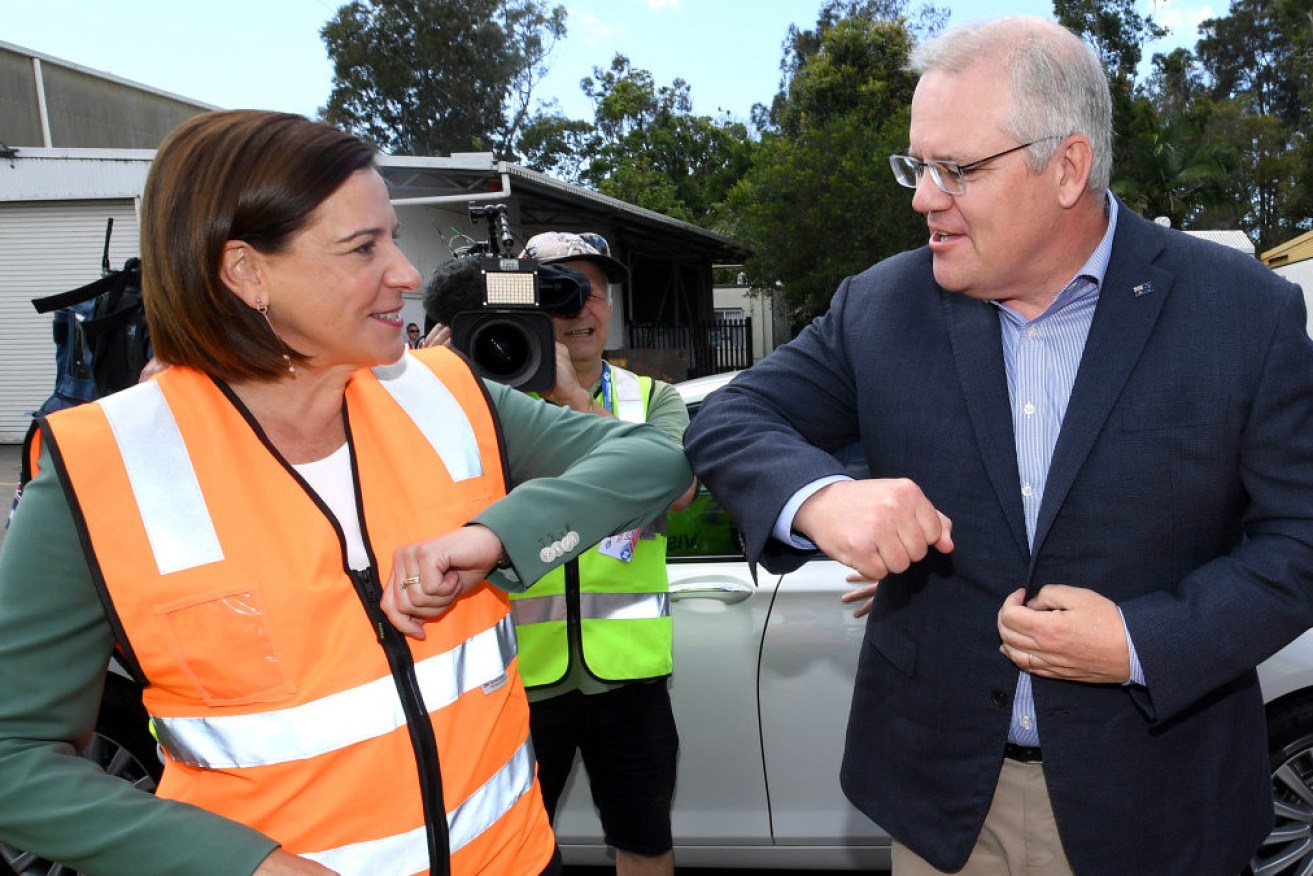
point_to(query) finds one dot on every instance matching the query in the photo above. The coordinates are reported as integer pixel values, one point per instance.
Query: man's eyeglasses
(948, 176)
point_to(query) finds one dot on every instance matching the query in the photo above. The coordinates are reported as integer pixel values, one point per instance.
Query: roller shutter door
(47, 247)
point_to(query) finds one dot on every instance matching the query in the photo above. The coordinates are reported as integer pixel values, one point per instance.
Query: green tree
(645, 145)
(1171, 161)
(651, 150)
(428, 77)
(820, 202)
(1257, 62)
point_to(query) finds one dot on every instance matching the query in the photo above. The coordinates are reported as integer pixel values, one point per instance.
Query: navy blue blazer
(1181, 487)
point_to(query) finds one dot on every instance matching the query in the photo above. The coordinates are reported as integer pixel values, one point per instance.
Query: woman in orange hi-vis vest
(286, 537)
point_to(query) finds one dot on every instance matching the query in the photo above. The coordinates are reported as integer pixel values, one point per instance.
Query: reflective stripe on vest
(592, 606)
(408, 852)
(628, 396)
(428, 402)
(163, 480)
(341, 719)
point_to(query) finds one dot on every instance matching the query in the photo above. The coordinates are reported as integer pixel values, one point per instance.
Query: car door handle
(722, 588)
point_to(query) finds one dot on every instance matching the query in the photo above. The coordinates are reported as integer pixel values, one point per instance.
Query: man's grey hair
(1058, 84)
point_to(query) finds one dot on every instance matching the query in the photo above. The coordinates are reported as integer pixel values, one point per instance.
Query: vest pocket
(222, 643)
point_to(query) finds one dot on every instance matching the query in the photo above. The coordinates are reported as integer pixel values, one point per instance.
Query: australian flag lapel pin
(1142, 289)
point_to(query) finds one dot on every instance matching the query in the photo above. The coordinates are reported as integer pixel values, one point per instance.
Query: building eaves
(1296, 249)
(538, 180)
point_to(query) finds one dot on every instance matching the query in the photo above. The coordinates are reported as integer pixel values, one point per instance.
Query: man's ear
(1075, 162)
(239, 270)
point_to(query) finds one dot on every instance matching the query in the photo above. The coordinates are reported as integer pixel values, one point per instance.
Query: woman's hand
(429, 576)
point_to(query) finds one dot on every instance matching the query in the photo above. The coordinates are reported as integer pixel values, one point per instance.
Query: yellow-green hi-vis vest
(618, 610)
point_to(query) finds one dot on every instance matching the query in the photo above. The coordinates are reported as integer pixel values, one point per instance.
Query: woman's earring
(263, 310)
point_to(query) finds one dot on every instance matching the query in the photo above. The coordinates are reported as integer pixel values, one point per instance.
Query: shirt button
(1025, 722)
(1032, 332)
(1028, 408)
(1027, 490)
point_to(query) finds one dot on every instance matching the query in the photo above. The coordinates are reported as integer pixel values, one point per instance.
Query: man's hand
(877, 527)
(429, 576)
(438, 336)
(567, 391)
(281, 863)
(1065, 632)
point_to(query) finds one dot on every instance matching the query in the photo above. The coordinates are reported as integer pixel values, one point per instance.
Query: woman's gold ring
(413, 579)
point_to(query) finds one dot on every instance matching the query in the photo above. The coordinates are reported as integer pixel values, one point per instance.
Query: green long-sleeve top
(593, 475)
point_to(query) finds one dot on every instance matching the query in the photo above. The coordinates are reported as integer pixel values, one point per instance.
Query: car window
(703, 531)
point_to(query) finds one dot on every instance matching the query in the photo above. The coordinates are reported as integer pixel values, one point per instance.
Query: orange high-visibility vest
(282, 695)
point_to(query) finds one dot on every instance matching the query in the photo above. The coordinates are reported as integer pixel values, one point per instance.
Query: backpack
(101, 345)
(101, 338)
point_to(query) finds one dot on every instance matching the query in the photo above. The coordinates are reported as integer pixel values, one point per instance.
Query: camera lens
(503, 350)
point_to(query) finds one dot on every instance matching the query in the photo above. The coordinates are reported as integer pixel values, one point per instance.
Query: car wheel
(1288, 849)
(122, 746)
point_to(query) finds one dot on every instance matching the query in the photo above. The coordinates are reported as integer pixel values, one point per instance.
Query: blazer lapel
(1130, 301)
(977, 343)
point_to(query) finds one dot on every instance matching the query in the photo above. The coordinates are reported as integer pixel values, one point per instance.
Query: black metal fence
(712, 347)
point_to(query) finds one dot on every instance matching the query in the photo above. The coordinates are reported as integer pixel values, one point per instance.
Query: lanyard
(606, 386)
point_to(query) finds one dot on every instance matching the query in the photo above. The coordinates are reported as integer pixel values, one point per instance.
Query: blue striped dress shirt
(1042, 356)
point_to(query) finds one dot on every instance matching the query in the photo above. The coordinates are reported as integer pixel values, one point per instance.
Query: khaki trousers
(1020, 837)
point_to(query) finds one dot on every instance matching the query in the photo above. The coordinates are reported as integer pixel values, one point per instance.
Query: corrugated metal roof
(543, 181)
(1234, 239)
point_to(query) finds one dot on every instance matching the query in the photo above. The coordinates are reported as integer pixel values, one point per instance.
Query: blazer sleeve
(774, 429)
(575, 479)
(1233, 612)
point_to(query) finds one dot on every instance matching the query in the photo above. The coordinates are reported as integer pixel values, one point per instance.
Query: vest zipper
(418, 722)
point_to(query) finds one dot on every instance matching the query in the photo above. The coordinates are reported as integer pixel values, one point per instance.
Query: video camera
(500, 308)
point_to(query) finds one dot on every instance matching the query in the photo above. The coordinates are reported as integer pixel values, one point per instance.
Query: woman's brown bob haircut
(241, 175)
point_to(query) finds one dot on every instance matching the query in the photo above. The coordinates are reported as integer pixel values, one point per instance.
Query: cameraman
(602, 689)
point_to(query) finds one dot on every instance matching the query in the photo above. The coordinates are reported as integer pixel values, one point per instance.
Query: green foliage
(1169, 163)
(429, 77)
(1114, 27)
(1216, 138)
(820, 202)
(645, 145)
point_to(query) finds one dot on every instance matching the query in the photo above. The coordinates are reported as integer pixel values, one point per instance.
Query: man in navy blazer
(1091, 504)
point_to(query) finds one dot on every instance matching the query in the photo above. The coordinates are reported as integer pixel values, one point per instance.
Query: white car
(761, 688)
(763, 676)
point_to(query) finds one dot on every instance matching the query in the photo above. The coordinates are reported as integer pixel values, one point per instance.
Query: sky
(267, 54)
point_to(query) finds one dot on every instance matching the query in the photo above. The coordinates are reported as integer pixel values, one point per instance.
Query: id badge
(619, 547)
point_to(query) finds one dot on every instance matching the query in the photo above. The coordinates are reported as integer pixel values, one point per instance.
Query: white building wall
(1301, 274)
(761, 308)
(47, 248)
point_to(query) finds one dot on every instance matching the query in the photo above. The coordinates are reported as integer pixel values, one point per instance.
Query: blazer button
(999, 698)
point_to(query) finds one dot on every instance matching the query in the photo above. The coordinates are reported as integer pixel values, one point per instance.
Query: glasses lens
(905, 169)
(948, 177)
